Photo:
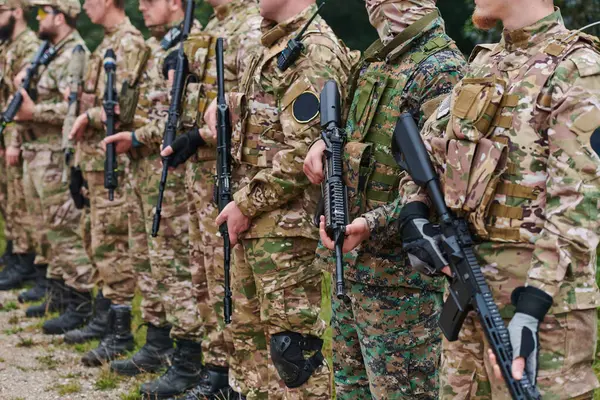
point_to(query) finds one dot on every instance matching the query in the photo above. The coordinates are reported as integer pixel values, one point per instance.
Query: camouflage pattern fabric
(268, 148)
(169, 294)
(376, 270)
(534, 209)
(52, 215)
(15, 58)
(239, 23)
(109, 223)
(391, 17)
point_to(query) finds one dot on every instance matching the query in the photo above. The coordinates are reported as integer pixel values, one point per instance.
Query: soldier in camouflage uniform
(169, 304)
(386, 341)
(20, 45)
(280, 302)
(109, 229)
(52, 213)
(523, 124)
(238, 22)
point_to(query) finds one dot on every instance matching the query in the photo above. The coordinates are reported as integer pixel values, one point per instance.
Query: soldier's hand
(123, 140)
(237, 222)
(183, 147)
(117, 113)
(356, 233)
(20, 77)
(210, 117)
(313, 163)
(25, 112)
(79, 127)
(13, 156)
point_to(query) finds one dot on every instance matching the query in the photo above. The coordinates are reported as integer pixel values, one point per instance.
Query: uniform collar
(272, 32)
(532, 35)
(225, 10)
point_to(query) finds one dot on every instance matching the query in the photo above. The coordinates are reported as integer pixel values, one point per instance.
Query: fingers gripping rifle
(335, 194)
(468, 289)
(42, 57)
(110, 102)
(173, 118)
(224, 195)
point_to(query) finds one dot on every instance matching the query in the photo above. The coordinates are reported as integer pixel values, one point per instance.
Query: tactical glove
(75, 185)
(185, 146)
(532, 305)
(421, 240)
(170, 63)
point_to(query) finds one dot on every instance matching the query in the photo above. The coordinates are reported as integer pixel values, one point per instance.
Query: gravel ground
(42, 367)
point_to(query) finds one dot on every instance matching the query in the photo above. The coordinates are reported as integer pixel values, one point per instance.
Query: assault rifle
(43, 56)
(224, 195)
(468, 289)
(335, 194)
(109, 104)
(174, 111)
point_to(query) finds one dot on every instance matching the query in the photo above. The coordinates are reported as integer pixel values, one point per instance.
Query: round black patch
(595, 141)
(306, 107)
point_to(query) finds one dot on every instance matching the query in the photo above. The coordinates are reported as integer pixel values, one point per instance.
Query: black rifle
(174, 110)
(224, 195)
(42, 57)
(468, 289)
(335, 195)
(110, 102)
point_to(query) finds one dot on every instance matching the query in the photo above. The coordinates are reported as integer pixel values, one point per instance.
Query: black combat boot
(22, 271)
(183, 374)
(40, 290)
(77, 314)
(97, 328)
(213, 384)
(57, 299)
(152, 357)
(117, 342)
(8, 255)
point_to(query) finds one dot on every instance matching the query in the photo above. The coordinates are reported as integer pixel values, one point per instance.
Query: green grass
(107, 380)
(48, 361)
(133, 394)
(9, 306)
(68, 388)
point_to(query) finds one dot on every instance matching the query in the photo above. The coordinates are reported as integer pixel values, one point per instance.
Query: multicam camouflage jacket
(15, 57)
(45, 129)
(409, 74)
(513, 149)
(271, 139)
(132, 54)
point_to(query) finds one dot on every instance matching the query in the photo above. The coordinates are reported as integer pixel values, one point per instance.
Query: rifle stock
(173, 118)
(224, 195)
(468, 289)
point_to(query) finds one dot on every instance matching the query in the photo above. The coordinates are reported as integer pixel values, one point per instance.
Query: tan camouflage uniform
(16, 57)
(522, 125)
(168, 292)
(52, 215)
(239, 23)
(386, 340)
(273, 270)
(109, 228)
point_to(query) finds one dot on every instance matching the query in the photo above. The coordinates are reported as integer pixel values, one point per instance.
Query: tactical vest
(372, 173)
(483, 148)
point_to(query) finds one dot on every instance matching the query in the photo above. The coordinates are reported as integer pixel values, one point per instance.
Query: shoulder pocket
(368, 95)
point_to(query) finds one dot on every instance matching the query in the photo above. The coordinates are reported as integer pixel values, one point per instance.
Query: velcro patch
(306, 107)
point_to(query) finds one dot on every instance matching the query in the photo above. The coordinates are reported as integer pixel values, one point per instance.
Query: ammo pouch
(128, 100)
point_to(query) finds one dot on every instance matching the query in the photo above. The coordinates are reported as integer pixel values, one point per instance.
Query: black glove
(421, 240)
(185, 146)
(170, 63)
(75, 185)
(532, 305)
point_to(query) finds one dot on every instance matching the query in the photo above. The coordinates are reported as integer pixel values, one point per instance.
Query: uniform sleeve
(568, 241)
(151, 133)
(285, 180)
(429, 85)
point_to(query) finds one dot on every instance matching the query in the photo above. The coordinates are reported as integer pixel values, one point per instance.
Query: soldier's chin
(482, 22)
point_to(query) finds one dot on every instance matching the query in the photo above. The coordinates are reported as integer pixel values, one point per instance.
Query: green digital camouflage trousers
(109, 238)
(276, 288)
(206, 261)
(169, 295)
(386, 343)
(567, 349)
(54, 220)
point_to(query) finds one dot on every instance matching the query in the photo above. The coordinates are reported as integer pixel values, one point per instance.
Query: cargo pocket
(358, 166)
(367, 101)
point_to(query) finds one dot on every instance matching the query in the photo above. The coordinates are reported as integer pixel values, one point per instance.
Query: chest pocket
(368, 97)
(88, 97)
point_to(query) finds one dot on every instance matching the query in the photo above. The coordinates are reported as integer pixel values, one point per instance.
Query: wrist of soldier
(134, 141)
(412, 211)
(531, 301)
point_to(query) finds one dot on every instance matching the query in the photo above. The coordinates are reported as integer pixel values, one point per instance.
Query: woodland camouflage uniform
(280, 286)
(109, 229)
(386, 340)
(239, 23)
(522, 125)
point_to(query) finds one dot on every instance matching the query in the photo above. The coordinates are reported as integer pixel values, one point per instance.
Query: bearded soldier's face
(489, 12)
(7, 23)
(47, 24)
(269, 8)
(155, 12)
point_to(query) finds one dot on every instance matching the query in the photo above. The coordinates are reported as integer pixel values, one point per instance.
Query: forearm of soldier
(50, 113)
(383, 221)
(151, 133)
(14, 137)
(95, 118)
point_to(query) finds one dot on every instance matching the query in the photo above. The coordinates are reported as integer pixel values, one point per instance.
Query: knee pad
(287, 352)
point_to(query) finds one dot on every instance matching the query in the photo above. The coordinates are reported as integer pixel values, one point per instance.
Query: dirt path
(42, 367)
